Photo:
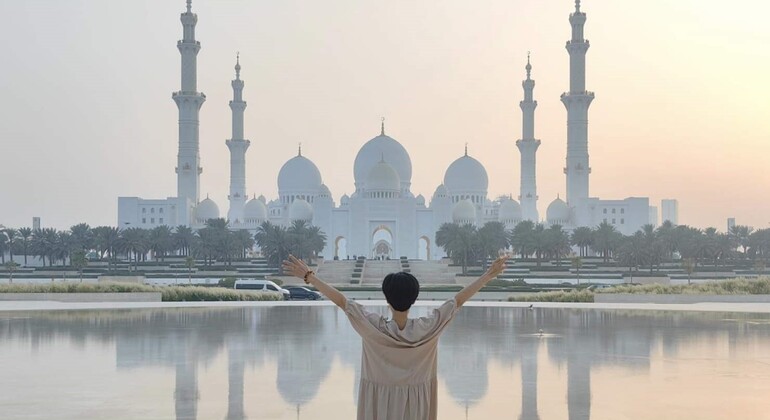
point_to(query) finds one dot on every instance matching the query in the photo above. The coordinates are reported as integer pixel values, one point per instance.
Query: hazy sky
(86, 115)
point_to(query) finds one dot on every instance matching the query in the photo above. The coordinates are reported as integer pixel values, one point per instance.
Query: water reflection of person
(399, 357)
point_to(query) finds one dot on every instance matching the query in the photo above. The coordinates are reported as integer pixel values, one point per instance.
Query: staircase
(336, 272)
(376, 270)
(433, 272)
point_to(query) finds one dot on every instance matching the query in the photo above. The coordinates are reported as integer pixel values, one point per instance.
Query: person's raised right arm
(493, 271)
(298, 268)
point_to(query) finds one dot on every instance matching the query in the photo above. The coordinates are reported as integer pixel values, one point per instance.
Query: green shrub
(196, 294)
(168, 293)
(227, 283)
(760, 286)
(560, 296)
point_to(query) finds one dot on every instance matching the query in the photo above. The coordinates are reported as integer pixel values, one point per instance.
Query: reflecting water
(303, 363)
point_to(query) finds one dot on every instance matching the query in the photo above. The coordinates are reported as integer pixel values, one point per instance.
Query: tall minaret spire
(577, 101)
(528, 149)
(238, 146)
(188, 101)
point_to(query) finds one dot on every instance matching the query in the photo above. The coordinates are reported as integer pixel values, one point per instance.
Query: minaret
(238, 147)
(528, 148)
(577, 101)
(189, 102)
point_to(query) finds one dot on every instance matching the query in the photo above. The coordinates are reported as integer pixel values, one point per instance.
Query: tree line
(214, 242)
(648, 248)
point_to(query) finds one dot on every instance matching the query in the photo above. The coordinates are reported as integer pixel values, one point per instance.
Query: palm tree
(491, 239)
(582, 237)
(79, 262)
(82, 237)
(556, 243)
(63, 247)
(11, 266)
(667, 235)
(42, 244)
(298, 232)
(106, 238)
(317, 240)
(183, 239)
(11, 235)
(725, 248)
(689, 265)
(606, 240)
(759, 245)
(189, 262)
(161, 241)
(521, 238)
(742, 235)
(274, 242)
(650, 246)
(539, 244)
(133, 241)
(3, 245)
(25, 234)
(457, 241)
(631, 252)
(244, 240)
(577, 264)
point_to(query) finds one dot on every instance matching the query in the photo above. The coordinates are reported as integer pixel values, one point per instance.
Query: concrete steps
(433, 272)
(336, 272)
(376, 270)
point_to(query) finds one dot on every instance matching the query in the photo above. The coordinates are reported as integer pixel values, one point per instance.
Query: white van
(264, 285)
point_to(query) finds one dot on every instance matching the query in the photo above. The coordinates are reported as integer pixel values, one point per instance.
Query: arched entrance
(423, 248)
(382, 243)
(341, 248)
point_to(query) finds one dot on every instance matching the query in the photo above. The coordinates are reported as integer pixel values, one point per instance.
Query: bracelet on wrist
(308, 274)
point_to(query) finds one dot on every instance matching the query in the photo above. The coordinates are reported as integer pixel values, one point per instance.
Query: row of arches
(382, 245)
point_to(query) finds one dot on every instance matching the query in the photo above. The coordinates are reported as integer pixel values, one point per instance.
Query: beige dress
(398, 367)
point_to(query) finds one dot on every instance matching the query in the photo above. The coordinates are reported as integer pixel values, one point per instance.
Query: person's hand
(497, 267)
(295, 267)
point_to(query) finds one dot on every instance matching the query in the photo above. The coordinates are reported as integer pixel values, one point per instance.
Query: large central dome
(466, 175)
(299, 174)
(378, 149)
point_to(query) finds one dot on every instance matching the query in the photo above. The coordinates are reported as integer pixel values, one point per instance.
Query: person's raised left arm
(298, 268)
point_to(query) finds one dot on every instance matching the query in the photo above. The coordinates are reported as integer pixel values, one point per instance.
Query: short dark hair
(401, 290)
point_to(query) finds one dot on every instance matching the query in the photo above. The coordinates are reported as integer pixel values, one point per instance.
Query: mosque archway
(423, 248)
(382, 243)
(341, 248)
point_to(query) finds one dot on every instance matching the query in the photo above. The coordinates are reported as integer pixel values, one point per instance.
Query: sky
(86, 114)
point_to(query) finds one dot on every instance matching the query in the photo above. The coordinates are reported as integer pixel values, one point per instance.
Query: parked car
(263, 285)
(302, 293)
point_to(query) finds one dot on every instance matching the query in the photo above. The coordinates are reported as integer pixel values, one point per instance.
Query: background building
(669, 211)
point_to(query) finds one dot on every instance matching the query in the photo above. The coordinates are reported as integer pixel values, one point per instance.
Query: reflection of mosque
(304, 341)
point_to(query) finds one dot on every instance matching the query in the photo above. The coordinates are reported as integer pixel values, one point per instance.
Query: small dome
(262, 199)
(344, 200)
(374, 151)
(440, 192)
(464, 212)
(299, 174)
(383, 177)
(300, 210)
(509, 211)
(466, 175)
(323, 191)
(420, 200)
(205, 210)
(255, 210)
(557, 211)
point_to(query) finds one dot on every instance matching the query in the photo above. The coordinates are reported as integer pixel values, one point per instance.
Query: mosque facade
(382, 217)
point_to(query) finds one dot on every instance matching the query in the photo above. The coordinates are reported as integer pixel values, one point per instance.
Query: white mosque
(383, 218)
